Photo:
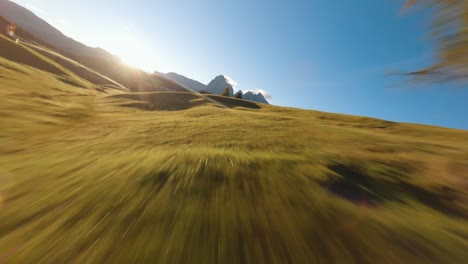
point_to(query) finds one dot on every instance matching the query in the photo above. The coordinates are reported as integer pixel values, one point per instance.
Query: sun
(134, 52)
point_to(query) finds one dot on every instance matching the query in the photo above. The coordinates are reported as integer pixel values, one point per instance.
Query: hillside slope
(192, 84)
(96, 59)
(20, 54)
(27, 20)
(100, 176)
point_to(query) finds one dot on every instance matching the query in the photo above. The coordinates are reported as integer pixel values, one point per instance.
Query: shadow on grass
(233, 102)
(13, 69)
(206, 183)
(156, 181)
(71, 82)
(176, 101)
(356, 185)
(17, 53)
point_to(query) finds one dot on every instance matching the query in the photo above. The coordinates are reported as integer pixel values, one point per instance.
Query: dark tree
(238, 95)
(226, 92)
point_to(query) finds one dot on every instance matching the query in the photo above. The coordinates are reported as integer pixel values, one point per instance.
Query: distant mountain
(33, 28)
(255, 96)
(218, 84)
(192, 84)
(36, 29)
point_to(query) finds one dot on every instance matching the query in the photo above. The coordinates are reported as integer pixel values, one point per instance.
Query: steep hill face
(17, 53)
(218, 84)
(30, 22)
(190, 83)
(94, 58)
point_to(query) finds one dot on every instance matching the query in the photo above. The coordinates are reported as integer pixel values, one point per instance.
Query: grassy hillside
(20, 54)
(77, 68)
(91, 175)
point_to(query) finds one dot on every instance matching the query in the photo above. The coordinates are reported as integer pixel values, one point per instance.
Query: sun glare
(135, 52)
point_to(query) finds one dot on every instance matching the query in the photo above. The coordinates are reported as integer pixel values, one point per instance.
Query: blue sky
(315, 54)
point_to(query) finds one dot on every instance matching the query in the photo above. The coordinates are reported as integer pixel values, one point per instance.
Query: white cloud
(230, 81)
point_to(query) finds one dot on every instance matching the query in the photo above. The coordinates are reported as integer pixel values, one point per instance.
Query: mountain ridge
(110, 65)
(190, 83)
(217, 86)
(29, 21)
(97, 59)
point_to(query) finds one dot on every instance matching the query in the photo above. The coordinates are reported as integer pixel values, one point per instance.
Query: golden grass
(176, 178)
